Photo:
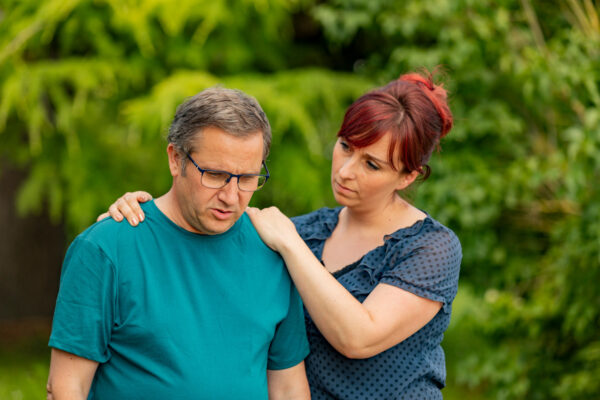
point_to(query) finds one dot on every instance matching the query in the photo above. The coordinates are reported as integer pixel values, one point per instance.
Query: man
(190, 304)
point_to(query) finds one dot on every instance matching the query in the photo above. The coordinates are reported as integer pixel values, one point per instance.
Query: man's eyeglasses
(217, 179)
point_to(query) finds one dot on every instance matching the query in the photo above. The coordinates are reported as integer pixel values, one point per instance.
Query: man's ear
(407, 179)
(174, 160)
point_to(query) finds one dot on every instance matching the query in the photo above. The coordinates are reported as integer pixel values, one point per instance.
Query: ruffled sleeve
(426, 264)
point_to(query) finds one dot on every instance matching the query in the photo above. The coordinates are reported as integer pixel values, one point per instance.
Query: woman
(377, 275)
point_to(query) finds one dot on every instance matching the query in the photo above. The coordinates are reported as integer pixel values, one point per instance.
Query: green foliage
(516, 178)
(88, 89)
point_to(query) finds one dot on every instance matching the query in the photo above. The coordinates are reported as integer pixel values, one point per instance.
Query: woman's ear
(406, 179)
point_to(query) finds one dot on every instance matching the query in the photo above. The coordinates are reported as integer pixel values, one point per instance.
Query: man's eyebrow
(229, 172)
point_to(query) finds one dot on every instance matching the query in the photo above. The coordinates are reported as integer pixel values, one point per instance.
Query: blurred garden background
(88, 89)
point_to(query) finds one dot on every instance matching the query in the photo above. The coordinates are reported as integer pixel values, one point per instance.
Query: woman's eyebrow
(379, 160)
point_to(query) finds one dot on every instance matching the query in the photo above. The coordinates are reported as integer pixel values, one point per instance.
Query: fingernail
(134, 221)
(141, 217)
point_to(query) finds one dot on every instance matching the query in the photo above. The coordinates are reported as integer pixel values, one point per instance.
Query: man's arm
(70, 376)
(288, 384)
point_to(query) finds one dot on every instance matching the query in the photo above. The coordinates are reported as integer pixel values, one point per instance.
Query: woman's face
(363, 177)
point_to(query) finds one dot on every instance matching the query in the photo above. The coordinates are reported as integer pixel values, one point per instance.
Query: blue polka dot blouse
(423, 259)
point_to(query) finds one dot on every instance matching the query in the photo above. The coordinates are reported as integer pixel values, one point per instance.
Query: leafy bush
(517, 178)
(88, 90)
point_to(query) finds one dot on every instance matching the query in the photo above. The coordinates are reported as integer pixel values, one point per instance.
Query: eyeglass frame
(203, 170)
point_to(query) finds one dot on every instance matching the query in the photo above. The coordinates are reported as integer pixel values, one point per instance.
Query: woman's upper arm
(396, 314)
(412, 291)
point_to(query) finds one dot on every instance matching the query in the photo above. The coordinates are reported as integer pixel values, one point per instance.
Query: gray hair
(231, 110)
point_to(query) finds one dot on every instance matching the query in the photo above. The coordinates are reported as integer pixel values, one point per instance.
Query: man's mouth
(221, 213)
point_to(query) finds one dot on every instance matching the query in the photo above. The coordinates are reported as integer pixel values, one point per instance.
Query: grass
(24, 359)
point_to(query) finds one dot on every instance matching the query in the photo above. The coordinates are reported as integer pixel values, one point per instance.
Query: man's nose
(229, 193)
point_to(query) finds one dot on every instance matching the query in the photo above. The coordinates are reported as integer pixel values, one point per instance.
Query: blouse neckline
(331, 220)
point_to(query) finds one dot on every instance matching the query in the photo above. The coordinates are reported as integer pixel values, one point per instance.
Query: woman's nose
(347, 168)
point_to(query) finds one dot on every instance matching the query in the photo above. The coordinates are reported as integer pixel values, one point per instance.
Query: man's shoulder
(112, 241)
(109, 229)
(253, 241)
(107, 234)
(106, 229)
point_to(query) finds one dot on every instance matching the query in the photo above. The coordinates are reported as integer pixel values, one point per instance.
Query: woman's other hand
(128, 206)
(274, 228)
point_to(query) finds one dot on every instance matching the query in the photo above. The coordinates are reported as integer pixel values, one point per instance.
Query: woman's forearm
(344, 321)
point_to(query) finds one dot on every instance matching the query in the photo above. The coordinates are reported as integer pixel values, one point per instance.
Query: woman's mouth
(342, 189)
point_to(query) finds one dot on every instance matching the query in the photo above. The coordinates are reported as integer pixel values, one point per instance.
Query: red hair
(412, 109)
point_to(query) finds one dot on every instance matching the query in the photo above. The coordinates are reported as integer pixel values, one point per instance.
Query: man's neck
(168, 205)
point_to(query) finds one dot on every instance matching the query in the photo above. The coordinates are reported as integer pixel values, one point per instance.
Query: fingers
(128, 206)
(114, 212)
(134, 200)
(123, 208)
(252, 213)
(267, 212)
(102, 216)
(142, 196)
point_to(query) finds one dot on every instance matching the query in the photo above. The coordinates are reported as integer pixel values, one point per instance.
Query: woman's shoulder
(426, 236)
(320, 222)
(425, 260)
(436, 231)
(426, 230)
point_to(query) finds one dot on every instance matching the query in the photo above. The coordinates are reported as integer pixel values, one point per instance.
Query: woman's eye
(372, 165)
(344, 145)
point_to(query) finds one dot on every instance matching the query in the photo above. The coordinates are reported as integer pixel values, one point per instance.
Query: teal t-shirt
(171, 314)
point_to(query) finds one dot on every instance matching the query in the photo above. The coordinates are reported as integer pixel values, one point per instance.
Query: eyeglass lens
(248, 183)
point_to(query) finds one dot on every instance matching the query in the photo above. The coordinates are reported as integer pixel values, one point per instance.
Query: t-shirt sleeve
(290, 345)
(85, 306)
(430, 269)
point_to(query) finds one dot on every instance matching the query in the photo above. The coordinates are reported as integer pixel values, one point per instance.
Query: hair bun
(436, 93)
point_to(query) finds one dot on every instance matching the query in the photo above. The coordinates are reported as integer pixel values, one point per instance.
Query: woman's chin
(341, 199)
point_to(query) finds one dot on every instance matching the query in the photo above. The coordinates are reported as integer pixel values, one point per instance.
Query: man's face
(213, 211)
